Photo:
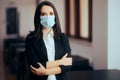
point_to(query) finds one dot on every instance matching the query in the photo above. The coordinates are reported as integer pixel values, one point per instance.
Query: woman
(47, 49)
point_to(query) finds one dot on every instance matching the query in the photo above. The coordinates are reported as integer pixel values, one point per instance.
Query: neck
(47, 30)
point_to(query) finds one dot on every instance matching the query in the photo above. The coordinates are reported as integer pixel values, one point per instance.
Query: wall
(26, 9)
(113, 34)
(100, 34)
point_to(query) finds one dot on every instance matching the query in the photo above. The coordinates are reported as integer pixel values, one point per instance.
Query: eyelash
(43, 14)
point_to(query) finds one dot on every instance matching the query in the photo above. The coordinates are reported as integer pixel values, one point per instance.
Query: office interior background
(99, 43)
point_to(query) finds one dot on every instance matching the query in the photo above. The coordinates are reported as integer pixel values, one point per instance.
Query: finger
(32, 68)
(40, 65)
(33, 71)
(65, 55)
(70, 59)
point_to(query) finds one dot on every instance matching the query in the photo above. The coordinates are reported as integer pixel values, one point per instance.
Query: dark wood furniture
(93, 75)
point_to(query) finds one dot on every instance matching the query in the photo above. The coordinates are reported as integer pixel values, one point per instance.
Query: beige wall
(26, 9)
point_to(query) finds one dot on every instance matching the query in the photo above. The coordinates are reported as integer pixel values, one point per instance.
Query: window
(79, 19)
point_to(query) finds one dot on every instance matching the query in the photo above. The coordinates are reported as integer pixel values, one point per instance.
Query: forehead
(46, 8)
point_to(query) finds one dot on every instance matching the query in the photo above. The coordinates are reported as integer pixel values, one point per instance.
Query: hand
(38, 71)
(66, 61)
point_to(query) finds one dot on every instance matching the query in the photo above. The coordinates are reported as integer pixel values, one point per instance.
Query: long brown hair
(38, 27)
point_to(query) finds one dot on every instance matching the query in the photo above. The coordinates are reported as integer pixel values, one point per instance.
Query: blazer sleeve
(67, 49)
(30, 53)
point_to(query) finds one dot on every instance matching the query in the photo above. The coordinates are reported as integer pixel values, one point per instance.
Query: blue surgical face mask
(47, 21)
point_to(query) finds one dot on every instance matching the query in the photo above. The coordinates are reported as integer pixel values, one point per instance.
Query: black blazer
(36, 52)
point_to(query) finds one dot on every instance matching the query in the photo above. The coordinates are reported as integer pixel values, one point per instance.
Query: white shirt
(48, 38)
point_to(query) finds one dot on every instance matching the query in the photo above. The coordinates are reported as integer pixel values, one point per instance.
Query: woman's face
(47, 17)
(46, 11)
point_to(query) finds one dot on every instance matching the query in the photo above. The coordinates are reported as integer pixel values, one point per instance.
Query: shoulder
(30, 36)
(64, 37)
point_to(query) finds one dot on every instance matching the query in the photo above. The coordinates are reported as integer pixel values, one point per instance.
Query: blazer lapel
(43, 48)
(58, 49)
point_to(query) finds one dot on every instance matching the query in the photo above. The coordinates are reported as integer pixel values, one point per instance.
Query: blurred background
(91, 25)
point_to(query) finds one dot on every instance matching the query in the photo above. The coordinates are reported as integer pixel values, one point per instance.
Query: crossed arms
(52, 67)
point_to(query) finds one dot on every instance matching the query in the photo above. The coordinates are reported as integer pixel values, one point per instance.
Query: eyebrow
(45, 12)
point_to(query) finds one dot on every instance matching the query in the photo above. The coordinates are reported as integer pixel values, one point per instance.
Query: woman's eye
(51, 13)
(43, 14)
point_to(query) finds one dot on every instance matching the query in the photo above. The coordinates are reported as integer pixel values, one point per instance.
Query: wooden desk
(93, 75)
